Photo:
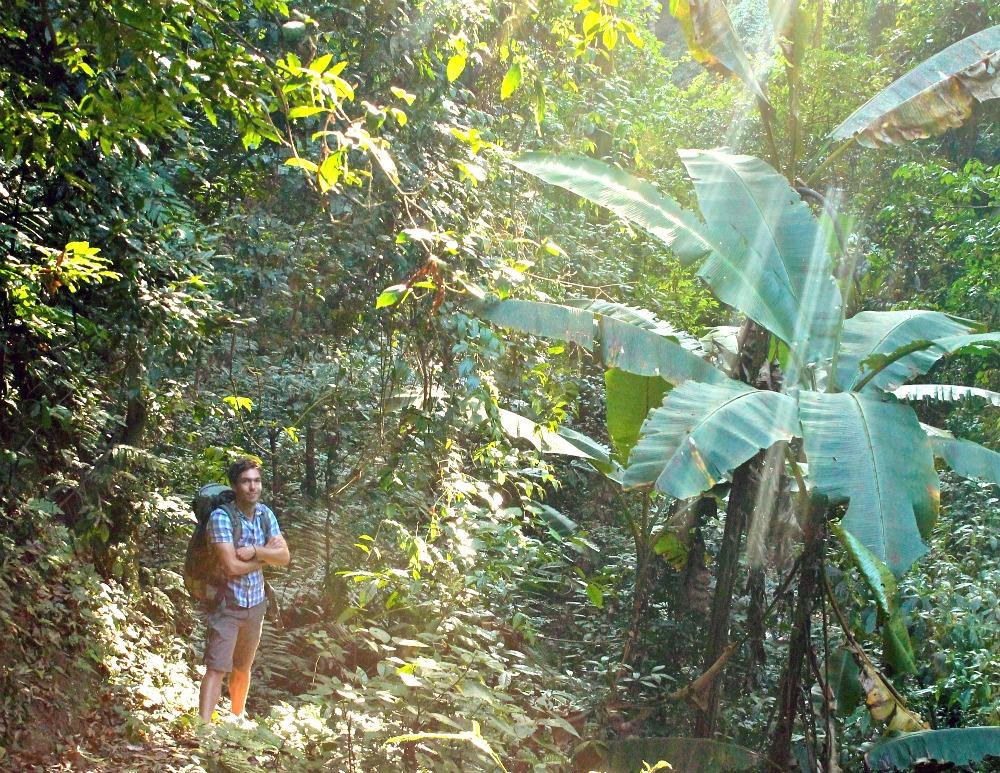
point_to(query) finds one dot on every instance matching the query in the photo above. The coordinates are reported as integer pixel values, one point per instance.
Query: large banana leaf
(626, 195)
(884, 332)
(564, 441)
(959, 746)
(622, 345)
(640, 318)
(702, 432)
(935, 96)
(787, 247)
(873, 455)
(712, 40)
(757, 287)
(968, 459)
(946, 393)
(629, 400)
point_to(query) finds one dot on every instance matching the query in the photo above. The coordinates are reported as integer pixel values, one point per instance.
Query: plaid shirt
(247, 589)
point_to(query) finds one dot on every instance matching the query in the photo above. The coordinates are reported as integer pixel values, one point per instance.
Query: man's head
(244, 477)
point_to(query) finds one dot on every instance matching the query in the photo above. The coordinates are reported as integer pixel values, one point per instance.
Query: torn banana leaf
(935, 96)
(712, 40)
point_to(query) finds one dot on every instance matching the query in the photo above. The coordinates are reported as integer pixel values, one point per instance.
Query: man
(234, 626)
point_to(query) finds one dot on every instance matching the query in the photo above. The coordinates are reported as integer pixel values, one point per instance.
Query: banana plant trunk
(753, 345)
(811, 564)
(741, 500)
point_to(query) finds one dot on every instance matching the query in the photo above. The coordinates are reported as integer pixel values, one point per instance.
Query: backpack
(203, 576)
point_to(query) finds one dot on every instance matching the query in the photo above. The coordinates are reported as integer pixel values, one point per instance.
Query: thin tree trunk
(694, 593)
(741, 502)
(756, 628)
(788, 693)
(753, 342)
(640, 598)
(276, 479)
(309, 484)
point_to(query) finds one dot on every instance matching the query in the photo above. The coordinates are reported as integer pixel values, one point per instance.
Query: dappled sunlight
(606, 369)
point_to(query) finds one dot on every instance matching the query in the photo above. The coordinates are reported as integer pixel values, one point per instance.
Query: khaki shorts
(233, 636)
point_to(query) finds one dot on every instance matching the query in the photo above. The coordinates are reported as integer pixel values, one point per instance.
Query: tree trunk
(788, 693)
(741, 501)
(753, 343)
(694, 591)
(756, 629)
(309, 484)
(276, 480)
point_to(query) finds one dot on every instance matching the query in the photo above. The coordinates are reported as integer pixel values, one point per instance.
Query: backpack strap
(267, 528)
(235, 522)
(236, 527)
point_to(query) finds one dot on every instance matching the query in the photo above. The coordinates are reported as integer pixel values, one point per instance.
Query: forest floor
(125, 695)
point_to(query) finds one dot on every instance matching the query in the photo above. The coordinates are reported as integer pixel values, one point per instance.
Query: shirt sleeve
(220, 527)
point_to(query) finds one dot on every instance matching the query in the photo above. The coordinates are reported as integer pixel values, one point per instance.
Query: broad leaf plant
(839, 413)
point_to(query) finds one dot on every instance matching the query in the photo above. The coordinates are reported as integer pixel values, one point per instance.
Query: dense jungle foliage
(629, 397)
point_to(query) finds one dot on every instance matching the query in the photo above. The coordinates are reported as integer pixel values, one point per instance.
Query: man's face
(247, 486)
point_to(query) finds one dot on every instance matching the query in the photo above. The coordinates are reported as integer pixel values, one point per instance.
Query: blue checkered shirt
(248, 589)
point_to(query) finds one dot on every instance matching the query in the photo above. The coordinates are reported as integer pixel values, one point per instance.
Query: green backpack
(203, 576)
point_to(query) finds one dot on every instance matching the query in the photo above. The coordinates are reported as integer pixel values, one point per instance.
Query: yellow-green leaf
(511, 81)
(304, 111)
(456, 65)
(302, 163)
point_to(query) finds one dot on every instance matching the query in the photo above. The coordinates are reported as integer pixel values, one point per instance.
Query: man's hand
(246, 553)
(277, 541)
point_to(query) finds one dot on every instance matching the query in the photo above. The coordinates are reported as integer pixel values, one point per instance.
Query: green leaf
(319, 64)
(884, 332)
(896, 644)
(390, 296)
(702, 432)
(238, 403)
(968, 459)
(549, 442)
(624, 194)
(622, 345)
(936, 95)
(844, 679)
(403, 94)
(670, 547)
(554, 519)
(959, 746)
(293, 31)
(787, 250)
(596, 595)
(874, 456)
(329, 172)
(874, 572)
(897, 648)
(945, 393)
(302, 163)
(304, 111)
(629, 398)
(712, 40)
(633, 315)
(456, 65)
(511, 80)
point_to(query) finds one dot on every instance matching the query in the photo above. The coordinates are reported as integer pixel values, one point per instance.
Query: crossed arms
(239, 561)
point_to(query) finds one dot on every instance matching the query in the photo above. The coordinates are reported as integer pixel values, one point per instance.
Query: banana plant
(763, 252)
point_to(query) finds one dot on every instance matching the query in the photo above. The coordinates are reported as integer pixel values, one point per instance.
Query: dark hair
(240, 466)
